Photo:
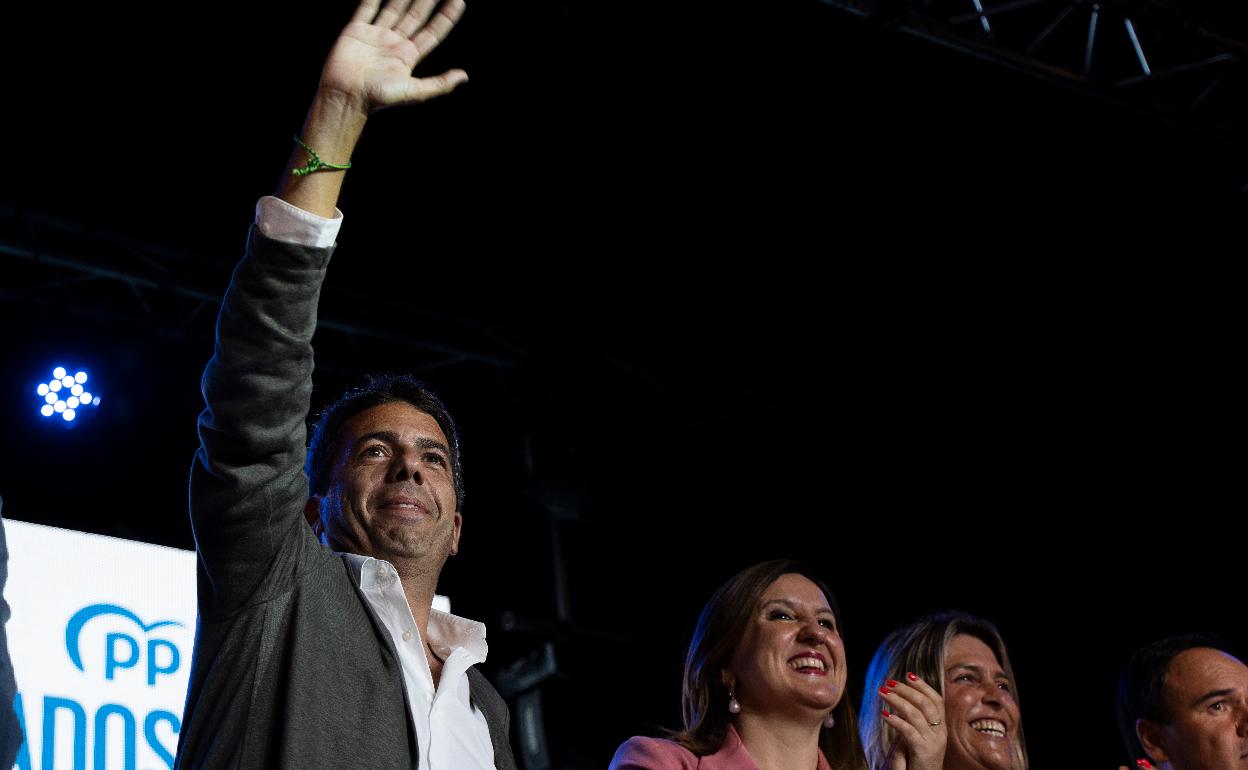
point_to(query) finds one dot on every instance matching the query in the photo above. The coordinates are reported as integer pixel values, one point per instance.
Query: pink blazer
(638, 753)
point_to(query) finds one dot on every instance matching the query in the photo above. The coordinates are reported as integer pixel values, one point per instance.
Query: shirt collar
(447, 632)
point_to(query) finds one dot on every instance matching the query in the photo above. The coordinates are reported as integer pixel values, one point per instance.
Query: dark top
(11, 737)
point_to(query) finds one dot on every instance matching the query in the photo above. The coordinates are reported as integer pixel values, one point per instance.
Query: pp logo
(127, 646)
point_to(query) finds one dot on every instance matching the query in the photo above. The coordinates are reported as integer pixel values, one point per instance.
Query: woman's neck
(776, 743)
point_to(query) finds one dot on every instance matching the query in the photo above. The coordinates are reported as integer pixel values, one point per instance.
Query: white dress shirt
(281, 221)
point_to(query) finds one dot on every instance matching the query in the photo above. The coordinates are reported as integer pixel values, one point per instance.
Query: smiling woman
(964, 659)
(764, 682)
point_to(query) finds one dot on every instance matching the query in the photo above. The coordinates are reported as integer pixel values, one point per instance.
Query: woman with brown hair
(764, 682)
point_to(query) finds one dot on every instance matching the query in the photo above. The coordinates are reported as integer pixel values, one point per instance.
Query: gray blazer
(291, 668)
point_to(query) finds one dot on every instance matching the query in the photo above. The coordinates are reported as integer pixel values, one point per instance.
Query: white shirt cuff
(281, 221)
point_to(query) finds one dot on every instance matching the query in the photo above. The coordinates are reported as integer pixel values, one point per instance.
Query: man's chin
(402, 545)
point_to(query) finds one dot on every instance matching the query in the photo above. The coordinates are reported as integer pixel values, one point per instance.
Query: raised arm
(247, 489)
(369, 69)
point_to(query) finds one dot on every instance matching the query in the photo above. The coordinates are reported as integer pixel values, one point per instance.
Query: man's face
(1206, 697)
(392, 495)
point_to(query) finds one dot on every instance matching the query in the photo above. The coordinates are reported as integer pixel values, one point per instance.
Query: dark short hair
(1141, 685)
(721, 626)
(375, 391)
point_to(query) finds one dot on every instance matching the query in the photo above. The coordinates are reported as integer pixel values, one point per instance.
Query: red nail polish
(884, 691)
(886, 714)
(911, 677)
(1144, 763)
(891, 683)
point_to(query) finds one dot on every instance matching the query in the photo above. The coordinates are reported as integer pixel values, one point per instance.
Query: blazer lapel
(731, 756)
(483, 696)
(383, 635)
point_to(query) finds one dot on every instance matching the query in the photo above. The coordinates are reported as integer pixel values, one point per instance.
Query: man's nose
(406, 465)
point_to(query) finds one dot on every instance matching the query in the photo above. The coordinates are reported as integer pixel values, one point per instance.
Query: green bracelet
(315, 163)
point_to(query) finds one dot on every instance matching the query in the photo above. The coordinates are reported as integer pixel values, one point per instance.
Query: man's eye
(1218, 706)
(435, 458)
(1005, 686)
(374, 451)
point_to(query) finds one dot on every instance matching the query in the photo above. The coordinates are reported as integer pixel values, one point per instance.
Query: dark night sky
(719, 358)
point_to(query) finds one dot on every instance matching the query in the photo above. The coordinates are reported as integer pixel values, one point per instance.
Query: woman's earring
(733, 706)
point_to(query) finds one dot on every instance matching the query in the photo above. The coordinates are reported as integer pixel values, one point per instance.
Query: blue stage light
(64, 394)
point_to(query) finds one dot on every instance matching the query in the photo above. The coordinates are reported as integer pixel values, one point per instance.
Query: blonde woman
(963, 658)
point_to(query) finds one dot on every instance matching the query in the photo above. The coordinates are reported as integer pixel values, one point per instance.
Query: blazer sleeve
(247, 487)
(640, 753)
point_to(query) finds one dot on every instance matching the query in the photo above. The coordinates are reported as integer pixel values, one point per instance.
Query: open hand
(370, 66)
(916, 712)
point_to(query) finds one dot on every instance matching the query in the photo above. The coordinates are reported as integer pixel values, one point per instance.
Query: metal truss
(63, 267)
(1169, 61)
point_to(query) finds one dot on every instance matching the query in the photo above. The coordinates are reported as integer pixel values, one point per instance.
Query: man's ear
(312, 512)
(458, 527)
(1150, 735)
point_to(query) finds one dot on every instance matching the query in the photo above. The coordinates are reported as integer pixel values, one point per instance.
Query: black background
(752, 265)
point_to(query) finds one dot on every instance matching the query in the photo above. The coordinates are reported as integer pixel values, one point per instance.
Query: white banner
(101, 639)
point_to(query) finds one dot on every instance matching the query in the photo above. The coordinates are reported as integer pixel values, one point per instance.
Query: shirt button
(407, 636)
